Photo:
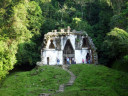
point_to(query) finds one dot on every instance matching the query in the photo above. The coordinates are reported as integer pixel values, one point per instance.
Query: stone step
(45, 94)
(61, 88)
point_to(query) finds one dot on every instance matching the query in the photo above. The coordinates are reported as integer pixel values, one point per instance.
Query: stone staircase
(71, 81)
(62, 86)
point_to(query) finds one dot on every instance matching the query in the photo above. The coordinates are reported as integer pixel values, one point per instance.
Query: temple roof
(66, 32)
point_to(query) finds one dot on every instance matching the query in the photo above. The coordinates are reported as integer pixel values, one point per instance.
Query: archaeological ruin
(66, 43)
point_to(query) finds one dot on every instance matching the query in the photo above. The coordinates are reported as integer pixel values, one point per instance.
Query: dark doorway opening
(51, 45)
(47, 60)
(85, 42)
(68, 51)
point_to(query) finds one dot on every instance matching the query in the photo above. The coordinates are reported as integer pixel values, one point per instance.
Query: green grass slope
(45, 79)
(97, 80)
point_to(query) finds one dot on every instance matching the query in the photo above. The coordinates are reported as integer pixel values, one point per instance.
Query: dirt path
(70, 82)
(62, 86)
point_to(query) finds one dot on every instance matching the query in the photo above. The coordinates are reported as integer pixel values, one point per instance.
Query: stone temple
(66, 43)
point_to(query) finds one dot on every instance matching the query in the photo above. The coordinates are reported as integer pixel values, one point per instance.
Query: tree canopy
(24, 22)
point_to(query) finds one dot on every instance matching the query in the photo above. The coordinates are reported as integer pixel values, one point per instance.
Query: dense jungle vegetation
(24, 22)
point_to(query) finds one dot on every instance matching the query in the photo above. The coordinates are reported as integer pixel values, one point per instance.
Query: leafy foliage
(116, 45)
(7, 57)
(121, 64)
(24, 22)
(17, 28)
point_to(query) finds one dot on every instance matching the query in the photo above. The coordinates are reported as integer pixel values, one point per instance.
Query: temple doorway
(68, 51)
(47, 60)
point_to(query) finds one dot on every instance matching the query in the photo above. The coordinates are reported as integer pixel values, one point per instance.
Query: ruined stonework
(66, 43)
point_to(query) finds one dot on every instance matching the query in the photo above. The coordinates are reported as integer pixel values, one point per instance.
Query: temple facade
(66, 43)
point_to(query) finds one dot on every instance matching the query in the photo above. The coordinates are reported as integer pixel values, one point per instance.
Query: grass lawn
(45, 79)
(97, 80)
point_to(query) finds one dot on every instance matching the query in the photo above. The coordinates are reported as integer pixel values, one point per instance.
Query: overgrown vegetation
(20, 23)
(97, 80)
(24, 22)
(115, 48)
(45, 79)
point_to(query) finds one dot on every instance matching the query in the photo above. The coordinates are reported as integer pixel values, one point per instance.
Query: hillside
(23, 24)
(45, 79)
(91, 81)
(97, 81)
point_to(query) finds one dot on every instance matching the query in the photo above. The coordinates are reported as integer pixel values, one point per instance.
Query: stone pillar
(95, 58)
(61, 30)
(55, 30)
(92, 56)
(68, 29)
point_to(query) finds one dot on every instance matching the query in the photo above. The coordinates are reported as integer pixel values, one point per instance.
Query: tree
(120, 20)
(19, 31)
(28, 52)
(115, 46)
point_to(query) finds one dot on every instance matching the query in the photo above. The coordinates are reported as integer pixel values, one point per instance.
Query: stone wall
(59, 40)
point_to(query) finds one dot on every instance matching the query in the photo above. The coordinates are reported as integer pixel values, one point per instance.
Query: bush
(121, 64)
